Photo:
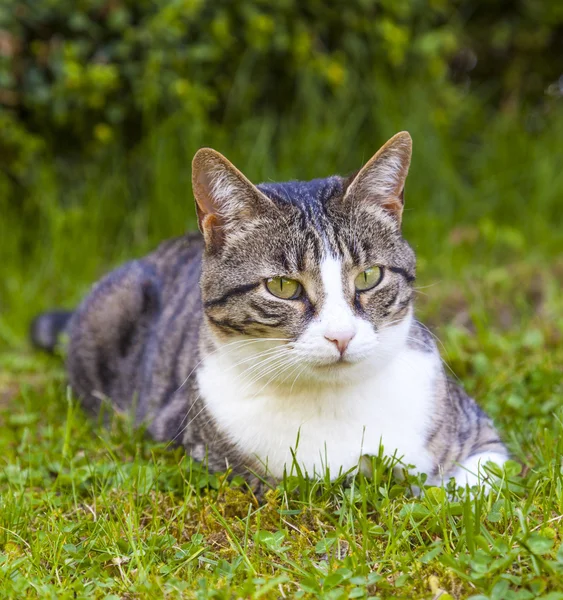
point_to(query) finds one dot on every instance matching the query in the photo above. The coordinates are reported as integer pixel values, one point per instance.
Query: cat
(284, 331)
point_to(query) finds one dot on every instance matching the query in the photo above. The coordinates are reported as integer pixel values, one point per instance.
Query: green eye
(285, 288)
(368, 279)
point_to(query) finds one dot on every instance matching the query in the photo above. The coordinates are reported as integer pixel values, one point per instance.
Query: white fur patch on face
(336, 321)
(326, 425)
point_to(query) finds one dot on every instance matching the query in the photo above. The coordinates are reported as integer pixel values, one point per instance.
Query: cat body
(286, 331)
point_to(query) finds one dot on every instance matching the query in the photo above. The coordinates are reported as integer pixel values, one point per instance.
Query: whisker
(425, 287)
(296, 377)
(275, 354)
(410, 338)
(428, 347)
(254, 370)
(222, 348)
(251, 358)
(187, 424)
(257, 355)
(433, 349)
(269, 369)
(434, 336)
(288, 366)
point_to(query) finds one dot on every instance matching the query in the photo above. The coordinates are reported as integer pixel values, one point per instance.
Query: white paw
(471, 472)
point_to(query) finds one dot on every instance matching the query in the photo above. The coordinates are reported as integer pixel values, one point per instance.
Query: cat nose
(341, 339)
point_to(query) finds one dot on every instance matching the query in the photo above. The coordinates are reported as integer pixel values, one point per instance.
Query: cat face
(314, 278)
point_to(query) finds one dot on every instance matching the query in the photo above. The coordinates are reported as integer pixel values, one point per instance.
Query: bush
(83, 73)
(78, 76)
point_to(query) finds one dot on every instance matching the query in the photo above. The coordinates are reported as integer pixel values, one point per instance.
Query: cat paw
(471, 473)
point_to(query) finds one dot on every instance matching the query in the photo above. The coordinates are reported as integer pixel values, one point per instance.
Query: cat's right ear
(381, 182)
(224, 196)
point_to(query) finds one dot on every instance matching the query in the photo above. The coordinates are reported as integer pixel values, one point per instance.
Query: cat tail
(47, 329)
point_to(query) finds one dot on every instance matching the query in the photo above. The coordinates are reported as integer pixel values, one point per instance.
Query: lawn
(93, 511)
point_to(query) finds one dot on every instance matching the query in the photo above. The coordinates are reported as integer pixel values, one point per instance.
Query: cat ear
(224, 196)
(382, 179)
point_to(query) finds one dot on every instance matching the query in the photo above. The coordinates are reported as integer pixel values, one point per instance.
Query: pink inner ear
(213, 233)
(202, 190)
(393, 205)
(382, 180)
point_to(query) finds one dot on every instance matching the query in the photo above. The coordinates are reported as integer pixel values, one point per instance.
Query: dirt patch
(503, 295)
(9, 389)
(11, 385)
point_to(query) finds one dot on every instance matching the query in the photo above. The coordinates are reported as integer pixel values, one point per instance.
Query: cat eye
(285, 288)
(368, 279)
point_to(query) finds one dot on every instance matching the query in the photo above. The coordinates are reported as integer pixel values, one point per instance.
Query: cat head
(311, 277)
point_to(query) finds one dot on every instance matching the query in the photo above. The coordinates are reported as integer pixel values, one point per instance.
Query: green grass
(88, 511)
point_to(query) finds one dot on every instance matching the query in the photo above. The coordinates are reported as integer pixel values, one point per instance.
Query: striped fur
(190, 339)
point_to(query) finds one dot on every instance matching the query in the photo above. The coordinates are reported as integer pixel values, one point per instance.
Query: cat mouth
(337, 362)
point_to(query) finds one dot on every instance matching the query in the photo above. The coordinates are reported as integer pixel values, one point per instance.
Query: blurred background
(104, 102)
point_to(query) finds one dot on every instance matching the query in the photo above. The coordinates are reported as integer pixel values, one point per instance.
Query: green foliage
(467, 207)
(82, 74)
(76, 77)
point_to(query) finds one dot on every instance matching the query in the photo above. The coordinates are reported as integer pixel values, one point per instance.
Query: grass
(88, 511)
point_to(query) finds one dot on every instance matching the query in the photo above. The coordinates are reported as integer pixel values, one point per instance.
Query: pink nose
(341, 340)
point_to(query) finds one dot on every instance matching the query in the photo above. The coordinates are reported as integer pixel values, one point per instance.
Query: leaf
(512, 468)
(396, 491)
(436, 495)
(336, 578)
(432, 554)
(323, 546)
(272, 540)
(500, 590)
(494, 517)
(415, 510)
(538, 544)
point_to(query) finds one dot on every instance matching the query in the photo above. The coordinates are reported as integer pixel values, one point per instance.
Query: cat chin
(335, 373)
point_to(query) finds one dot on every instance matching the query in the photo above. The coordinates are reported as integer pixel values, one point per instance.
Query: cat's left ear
(224, 197)
(382, 180)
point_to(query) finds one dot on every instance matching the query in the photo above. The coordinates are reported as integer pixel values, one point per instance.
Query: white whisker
(222, 348)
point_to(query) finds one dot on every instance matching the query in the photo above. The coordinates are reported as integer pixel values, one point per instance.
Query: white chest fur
(326, 425)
